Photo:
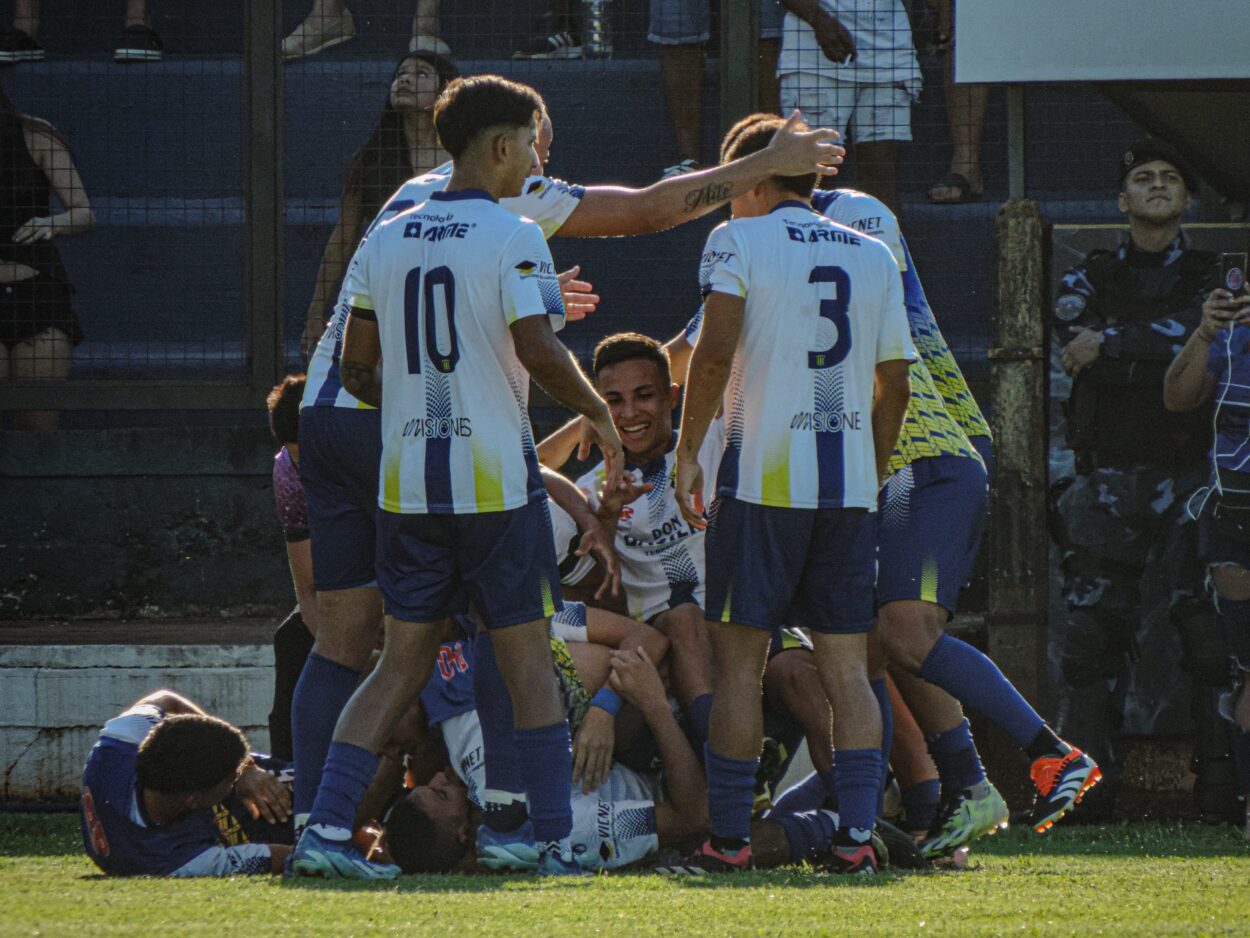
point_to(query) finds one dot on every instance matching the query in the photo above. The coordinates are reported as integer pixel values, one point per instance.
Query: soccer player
(456, 295)
(805, 340)
(154, 791)
(340, 435)
(932, 514)
(662, 561)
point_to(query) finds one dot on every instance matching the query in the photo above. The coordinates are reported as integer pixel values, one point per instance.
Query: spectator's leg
(26, 16)
(45, 356)
(136, 12)
(965, 115)
(681, 71)
(876, 171)
(426, 28)
(766, 72)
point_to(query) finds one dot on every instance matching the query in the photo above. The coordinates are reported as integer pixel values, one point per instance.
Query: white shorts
(866, 113)
(573, 569)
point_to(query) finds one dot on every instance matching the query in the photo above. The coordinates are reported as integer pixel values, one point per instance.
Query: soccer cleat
(964, 818)
(555, 858)
(708, 860)
(849, 858)
(315, 855)
(139, 44)
(1061, 781)
(512, 850)
(896, 848)
(557, 45)
(18, 46)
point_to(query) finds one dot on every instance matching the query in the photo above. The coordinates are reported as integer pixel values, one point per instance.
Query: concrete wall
(155, 522)
(55, 698)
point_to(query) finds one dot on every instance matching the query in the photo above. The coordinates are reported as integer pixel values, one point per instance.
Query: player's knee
(909, 630)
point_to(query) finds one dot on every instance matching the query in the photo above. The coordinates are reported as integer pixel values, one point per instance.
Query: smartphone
(1233, 274)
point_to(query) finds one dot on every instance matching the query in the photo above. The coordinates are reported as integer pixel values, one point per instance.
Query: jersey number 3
(421, 319)
(835, 310)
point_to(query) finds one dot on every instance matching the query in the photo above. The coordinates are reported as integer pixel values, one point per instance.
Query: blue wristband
(607, 700)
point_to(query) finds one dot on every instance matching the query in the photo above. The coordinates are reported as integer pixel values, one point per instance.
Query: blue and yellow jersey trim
(928, 429)
(947, 378)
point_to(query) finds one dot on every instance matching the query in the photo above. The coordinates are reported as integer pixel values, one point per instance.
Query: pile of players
(802, 539)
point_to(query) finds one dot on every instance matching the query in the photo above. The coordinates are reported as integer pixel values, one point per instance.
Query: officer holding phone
(1129, 555)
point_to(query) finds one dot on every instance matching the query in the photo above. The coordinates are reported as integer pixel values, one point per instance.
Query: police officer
(1129, 560)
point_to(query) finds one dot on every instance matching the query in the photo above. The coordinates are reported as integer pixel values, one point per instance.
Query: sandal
(962, 186)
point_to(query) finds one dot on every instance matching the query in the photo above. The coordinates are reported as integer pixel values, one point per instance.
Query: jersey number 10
(421, 319)
(835, 310)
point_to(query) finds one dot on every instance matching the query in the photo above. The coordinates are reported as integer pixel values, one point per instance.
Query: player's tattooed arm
(610, 211)
(362, 354)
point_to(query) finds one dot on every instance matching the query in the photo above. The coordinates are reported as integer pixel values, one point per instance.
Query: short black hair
(419, 845)
(189, 752)
(626, 346)
(752, 134)
(468, 106)
(283, 403)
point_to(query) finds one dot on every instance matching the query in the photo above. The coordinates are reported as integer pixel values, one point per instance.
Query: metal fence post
(262, 75)
(1017, 617)
(739, 56)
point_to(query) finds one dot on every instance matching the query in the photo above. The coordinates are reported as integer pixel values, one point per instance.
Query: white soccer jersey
(824, 305)
(662, 562)
(613, 826)
(446, 280)
(884, 52)
(549, 202)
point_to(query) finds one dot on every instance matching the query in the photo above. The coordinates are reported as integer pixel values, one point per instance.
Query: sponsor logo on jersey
(825, 422)
(536, 268)
(816, 232)
(431, 428)
(427, 232)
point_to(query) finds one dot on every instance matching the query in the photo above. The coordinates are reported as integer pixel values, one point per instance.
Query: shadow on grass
(1184, 839)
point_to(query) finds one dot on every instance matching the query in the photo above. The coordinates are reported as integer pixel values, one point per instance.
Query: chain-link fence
(204, 170)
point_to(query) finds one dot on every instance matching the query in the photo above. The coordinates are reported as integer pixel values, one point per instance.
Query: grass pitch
(1145, 879)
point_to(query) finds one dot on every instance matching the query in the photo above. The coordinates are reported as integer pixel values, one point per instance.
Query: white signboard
(1101, 40)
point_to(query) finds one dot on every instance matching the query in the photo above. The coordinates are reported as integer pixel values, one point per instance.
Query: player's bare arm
(554, 369)
(710, 364)
(679, 349)
(892, 388)
(594, 540)
(556, 448)
(684, 815)
(362, 353)
(1187, 383)
(608, 211)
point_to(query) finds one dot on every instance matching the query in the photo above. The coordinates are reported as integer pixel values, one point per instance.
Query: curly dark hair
(189, 752)
(418, 844)
(381, 166)
(283, 402)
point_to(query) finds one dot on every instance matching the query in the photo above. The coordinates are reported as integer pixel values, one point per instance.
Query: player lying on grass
(435, 826)
(170, 791)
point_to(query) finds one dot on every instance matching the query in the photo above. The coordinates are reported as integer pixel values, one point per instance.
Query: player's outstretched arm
(684, 815)
(362, 353)
(555, 370)
(610, 211)
(710, 364)
(556, 448)
(889, 406)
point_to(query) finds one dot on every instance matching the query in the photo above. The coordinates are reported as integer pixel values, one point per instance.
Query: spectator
(1128, 556)
(139, 42)
(37, 322)
(329, 23)
(965, 115)
(294, 638)
(403, 145)
(851, 65)
(681, 29)
(1215, 365)
(559, 34)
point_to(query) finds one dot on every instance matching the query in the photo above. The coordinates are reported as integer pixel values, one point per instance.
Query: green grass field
(1146, 879)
